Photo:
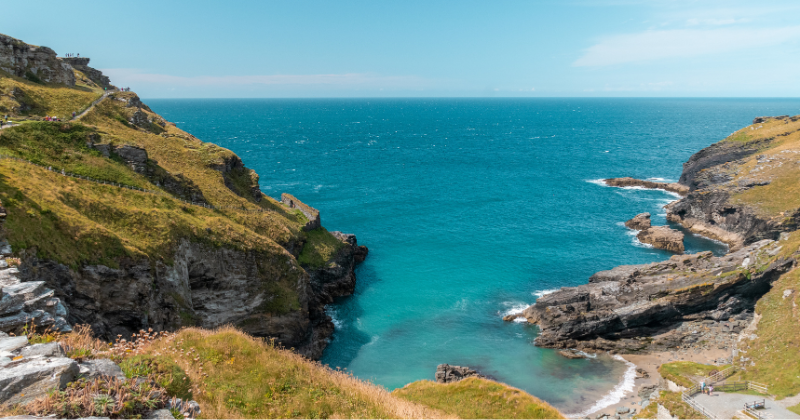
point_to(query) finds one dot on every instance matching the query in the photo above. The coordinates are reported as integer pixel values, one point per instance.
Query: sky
(430, 48)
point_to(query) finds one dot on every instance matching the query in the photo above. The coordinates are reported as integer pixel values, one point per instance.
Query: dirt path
(96, 101)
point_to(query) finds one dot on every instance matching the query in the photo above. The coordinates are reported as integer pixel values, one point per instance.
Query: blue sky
(300, 48)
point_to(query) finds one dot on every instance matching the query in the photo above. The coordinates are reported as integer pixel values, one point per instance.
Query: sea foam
(616, 394)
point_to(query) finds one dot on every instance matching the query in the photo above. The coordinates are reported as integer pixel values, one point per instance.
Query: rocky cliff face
(207, 287)
(82, 65)
(32, 62)
(336, 279)
(624, 308)
(720, 172)
(693, 300)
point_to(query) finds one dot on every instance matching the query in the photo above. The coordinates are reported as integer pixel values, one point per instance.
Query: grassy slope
(783, 192)
(77, 222)
(776, 351)
(243, 377)
(686, 373)
(48, 99)
(475, 398)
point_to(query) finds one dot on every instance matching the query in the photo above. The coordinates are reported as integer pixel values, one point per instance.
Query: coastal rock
(139, 119)
(662, 237)
(334, 279)
(447, 374)
(309, 212)
(633, 182)
(101, 368)
(572, 354)
(640, 222)
(52, 349)
(623, 309)
(82, 64)
(34, 63)
(26, 380)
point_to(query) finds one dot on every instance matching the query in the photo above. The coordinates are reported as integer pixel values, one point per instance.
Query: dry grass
(239, 376)
(48, 99)
(109, 397)
(476, 398)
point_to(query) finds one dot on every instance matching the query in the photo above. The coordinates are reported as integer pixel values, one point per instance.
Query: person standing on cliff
(703, 387)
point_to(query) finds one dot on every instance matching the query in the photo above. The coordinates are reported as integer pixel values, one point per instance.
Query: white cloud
(714, 22)
(125, 77)
(680, 43)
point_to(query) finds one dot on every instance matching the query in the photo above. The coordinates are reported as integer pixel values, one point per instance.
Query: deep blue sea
(471, 208)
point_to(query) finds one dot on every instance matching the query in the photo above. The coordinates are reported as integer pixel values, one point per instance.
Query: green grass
(63, 146)
(682, 372)
(475, 398)
(671, 401)
(776, 351)
(169, 374)
(795, 409)
(320, 246)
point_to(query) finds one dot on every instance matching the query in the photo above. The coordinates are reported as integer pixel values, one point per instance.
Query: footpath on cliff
(704, 311)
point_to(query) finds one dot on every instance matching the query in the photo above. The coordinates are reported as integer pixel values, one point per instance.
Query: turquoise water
(470, 208)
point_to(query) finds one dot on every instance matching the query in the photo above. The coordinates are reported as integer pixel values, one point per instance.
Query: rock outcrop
(633, 182)
(335, 279)
(639, 222)
(82, 64)
(623, 309)
(32, 375)
(662, 237)
(309, 212)
(33, 63)
(718, 173)
(446, 374)
(26, 303)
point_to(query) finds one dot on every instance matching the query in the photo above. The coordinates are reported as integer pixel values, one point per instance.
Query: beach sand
(650, 363)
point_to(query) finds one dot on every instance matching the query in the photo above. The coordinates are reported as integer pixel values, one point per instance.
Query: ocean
(472, 208)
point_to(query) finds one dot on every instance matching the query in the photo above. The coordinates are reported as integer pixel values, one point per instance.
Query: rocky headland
(190, 241)
(734, 191)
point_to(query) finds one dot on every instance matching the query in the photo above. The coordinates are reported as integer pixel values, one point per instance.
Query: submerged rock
(572, 354)
(662, 237)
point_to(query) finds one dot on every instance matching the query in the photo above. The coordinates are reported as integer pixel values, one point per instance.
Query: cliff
(133, 223)
(742, 191)
(37, 64)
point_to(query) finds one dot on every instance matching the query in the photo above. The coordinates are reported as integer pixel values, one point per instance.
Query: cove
(471, 208)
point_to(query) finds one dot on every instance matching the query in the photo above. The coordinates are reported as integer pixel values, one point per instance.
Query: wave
(616, 394)
(515, 308)
(540, 293)
(601, 182)
(635, 240)
(337, 323)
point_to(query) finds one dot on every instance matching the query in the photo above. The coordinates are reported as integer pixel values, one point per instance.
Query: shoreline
(649, 362)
